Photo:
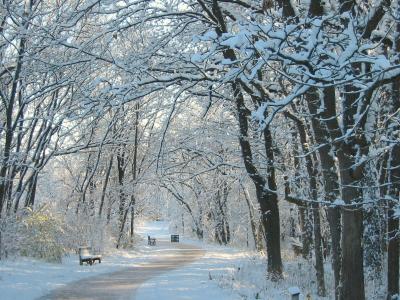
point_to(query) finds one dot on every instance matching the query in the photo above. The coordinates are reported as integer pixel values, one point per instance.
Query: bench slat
(86, 256)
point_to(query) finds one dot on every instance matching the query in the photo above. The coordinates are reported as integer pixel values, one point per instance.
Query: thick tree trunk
(270, 215)
(265, 189)
(266, 192)
(393, 255)
(122, 210)
(330, 180)
(31, 193)
(393, 177)
(330, 177)
(122, 227)
(306, 231)
(319, 256)
(393, 249)
(352, 263)
(351, 173)
(224, 209)
(271, 226)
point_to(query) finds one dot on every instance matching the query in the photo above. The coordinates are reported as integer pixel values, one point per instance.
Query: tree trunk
(132, 229)
(312, 177)
(122, 227)
(351, 173)
(31, 193)
(393, 255)
(9, 111)
(122, 210)
(271, 226)
(258, 242)
(330, 180)
(352, 263)
(265, 189)
(393, 190)
(266, 193)
(134, 169)
(306, 231)
(103, 192)
(304, 216)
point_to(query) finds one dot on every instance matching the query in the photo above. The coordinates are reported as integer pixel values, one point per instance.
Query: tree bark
(258, 241)
(9, 111)
(266, 193)
(350, 178)
(122, 210)
(304, 216)
(393, 191)
(265, 189)
(312, 177)
(330, 180)
(105, 184)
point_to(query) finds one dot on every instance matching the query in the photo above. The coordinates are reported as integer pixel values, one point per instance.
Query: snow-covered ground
(26, 279)
(227, 273)
(223, 273)
(196, 281)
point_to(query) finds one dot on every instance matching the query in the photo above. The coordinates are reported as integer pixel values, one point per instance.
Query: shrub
(41, 233)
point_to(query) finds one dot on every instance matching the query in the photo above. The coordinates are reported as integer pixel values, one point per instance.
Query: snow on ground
(223, 273)
(27, 279)
(197, 281)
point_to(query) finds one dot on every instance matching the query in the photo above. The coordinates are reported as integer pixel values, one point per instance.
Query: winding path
(123, 284)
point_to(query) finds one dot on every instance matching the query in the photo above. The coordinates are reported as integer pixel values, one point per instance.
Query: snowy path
(123, 284)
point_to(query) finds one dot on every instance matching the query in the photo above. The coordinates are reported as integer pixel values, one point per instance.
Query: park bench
(174, 238)
(151, 241)
(86, 256)
(294, 293)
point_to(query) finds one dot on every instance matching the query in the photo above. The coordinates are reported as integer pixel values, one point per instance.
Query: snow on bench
(294, 292)
(87, 257)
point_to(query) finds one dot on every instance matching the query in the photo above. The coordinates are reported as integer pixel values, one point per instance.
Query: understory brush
(248, 278)
(45, 234)
(34, 233)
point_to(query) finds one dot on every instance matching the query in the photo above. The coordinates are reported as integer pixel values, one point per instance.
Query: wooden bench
(86, 256)
(294, 293)
(174, 238)
(151, 241)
